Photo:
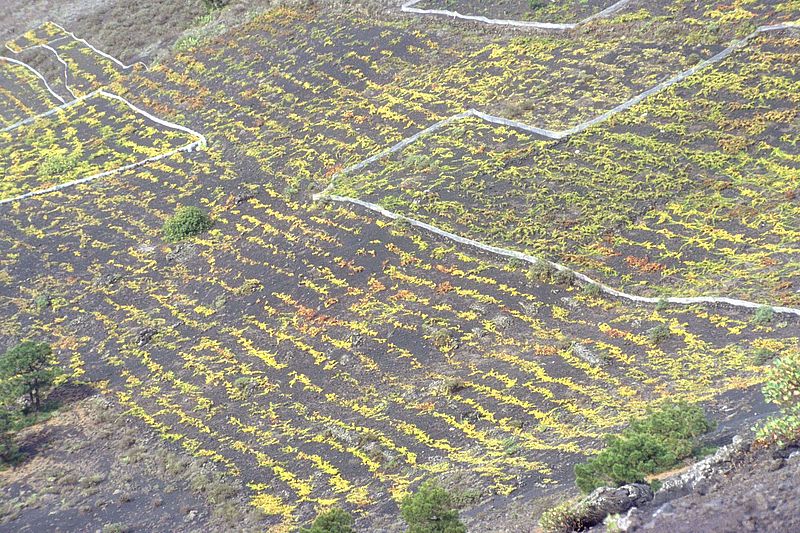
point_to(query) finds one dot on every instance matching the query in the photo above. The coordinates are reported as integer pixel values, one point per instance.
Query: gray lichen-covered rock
(587, 355)
(605, 501)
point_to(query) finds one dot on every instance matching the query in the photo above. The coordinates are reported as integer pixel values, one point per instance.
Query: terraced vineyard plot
(682, 20)
(521, 10)
(691, 192)
(703, 21)
(22, 94)
(44, 34)
(318, 89)
(95, 135)
(75, 68)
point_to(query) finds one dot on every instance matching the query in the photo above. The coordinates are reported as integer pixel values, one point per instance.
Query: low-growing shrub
(564, 277)
(57, 164)
(565, 517)
(592, 289)
(442, 338)
(624, 460)
(430, 510)
(249, 286)
(658, 334)
(783, 388)
(533, 5)
(679, 425)
(42, 302)
(333, 521)
(515, 263)
(186, 43)
(186, 222)
(763, 315)
(115, 527)
(464, 497)
(762, 356)
(215, 4)
(540, 271)
(649, 445)
(400, 225)
(611, 522)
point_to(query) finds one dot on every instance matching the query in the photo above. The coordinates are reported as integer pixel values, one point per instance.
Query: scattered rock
(776, 464)
(631, 520)
(242, 198)
(785, 453)
(605, 501)
(182, 252)
(143, 336)
(586, 354)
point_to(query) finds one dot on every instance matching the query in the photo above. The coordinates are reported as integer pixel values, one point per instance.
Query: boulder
(605, 501)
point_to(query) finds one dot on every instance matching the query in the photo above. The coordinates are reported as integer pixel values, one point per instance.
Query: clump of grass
(186, 222)
(762, 356)
(515, 263)
(763, 315)
(592, 289)
(250, 286)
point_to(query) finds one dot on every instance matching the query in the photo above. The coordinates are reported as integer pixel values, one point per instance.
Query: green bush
(678, 425)
(624, 460)
(186, 222)
(783, 388)
(649, 445)
(332, 521)
(430, 510)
